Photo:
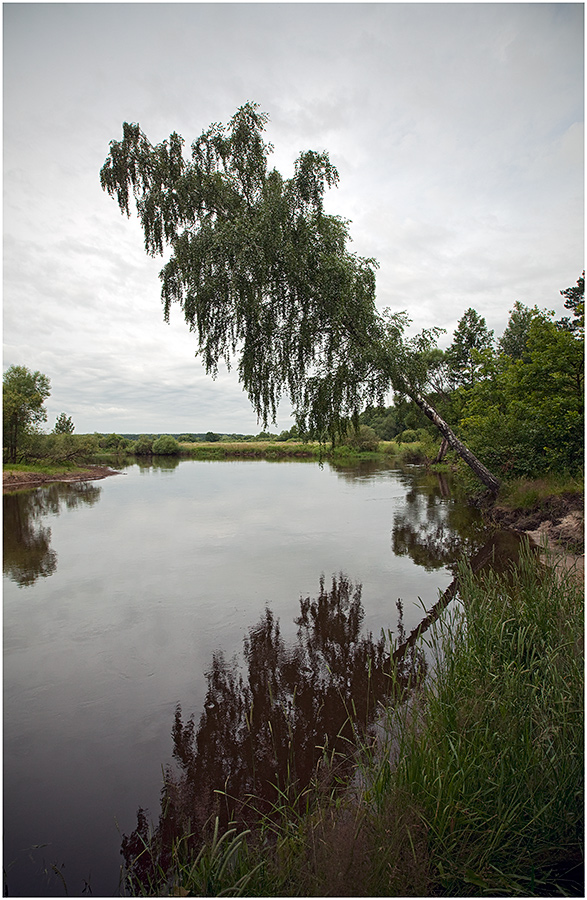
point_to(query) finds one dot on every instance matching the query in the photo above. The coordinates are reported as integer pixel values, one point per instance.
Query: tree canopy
(23, 397)
(470, 338)
(575, 301)
(63, 424)
(264, 275)
(259, 269)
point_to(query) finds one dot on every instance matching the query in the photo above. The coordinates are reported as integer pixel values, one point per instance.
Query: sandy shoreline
(12, 481)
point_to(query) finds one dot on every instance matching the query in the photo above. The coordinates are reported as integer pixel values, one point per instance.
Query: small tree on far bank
(362, 439)
(143, 446)
(23, 397)
(63, 424)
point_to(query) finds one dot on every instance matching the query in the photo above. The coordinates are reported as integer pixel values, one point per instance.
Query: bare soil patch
(557, 526)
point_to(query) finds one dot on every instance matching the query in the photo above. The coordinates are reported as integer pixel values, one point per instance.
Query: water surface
(119, 594)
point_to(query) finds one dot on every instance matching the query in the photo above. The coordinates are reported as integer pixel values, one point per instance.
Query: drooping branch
(263, 274)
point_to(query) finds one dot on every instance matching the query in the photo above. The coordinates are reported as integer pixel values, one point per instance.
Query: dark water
(143, 613)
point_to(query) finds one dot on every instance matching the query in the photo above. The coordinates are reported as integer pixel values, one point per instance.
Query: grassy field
(250, 450)
(297, 450)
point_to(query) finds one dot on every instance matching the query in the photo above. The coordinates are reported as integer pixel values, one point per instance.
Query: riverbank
(21, 477)
(551, 516)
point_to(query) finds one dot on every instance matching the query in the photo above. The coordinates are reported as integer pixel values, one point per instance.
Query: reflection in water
(263, 732)
(154, 463)
(27, 543)
(498, 553)
(433, 528)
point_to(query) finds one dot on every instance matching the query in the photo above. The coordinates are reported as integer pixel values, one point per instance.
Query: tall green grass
(527, 493)
(493, 758)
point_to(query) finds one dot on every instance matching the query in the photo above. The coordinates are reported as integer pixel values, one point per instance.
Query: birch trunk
(482, 472)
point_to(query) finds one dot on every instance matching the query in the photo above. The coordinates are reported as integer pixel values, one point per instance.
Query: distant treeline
(212, 436)
(184, 437)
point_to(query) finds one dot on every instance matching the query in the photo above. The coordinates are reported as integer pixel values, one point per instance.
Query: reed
(493, 759)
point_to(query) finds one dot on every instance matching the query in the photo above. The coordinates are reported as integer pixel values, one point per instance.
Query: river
(124, 597)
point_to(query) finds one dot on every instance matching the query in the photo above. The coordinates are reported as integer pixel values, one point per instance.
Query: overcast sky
(457, 130)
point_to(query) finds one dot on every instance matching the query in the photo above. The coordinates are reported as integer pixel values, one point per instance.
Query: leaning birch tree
(264, 276)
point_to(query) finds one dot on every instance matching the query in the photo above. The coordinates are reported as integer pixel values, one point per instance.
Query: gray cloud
(457, 130)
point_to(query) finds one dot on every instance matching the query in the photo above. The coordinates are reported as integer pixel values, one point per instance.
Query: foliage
(527, 414)
(143, 446)
(471, 337)
(254, 449)
(114, 442)
(383, 420)
(524, 493)
(575, 301)
(256, 264)
(513, 340)
(63, 424)
(61, 447)
(165, 446)
(363, 439)
(291, 434)
(495, 759)
(407, 437)
(522, 407)
(23, 396)
(262, 273)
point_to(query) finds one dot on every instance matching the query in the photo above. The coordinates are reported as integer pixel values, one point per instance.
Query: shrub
(143, 446)
(363, 440)
(61, 448)
(407, 437)
(165, 446)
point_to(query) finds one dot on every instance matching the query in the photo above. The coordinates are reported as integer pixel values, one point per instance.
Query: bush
(113, 441)
(407, 437)
(166, 446)
(363, 440)
(143, 446)
(59, 448)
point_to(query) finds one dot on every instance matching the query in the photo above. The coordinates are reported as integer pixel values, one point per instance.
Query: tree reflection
(351, 470)
(27, 541)
(263, 732)
(435, 530)
(153, 463)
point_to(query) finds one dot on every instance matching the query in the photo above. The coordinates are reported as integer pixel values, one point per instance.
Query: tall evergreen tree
(575, 301)
(515, 337)
(471, 336)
